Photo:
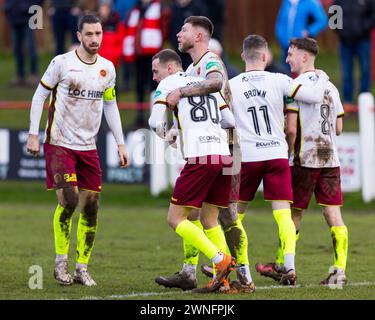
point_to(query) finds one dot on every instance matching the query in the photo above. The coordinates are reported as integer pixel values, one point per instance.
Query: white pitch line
(272, 287)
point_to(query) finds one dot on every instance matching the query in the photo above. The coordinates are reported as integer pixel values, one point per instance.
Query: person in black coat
(17, 14)
(355, 41)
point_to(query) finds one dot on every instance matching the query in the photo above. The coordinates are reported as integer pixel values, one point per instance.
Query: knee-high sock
(237, 241)
(86, 233)
(280, 255)
(192, 234)
(339, 236)
(62, 225)
(241, 216)
(217, 237)
(191, 253)
(287, 230)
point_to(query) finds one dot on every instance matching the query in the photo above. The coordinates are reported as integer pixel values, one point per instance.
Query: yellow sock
(287, 230)
(241, 215)
(239, 243)
(280, 255)
(192, 234)
(217, 237)
(62, 224)
(191, 253)
(86, 232)
(339, 236)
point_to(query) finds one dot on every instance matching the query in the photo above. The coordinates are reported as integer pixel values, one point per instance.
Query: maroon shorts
(324, 182)
(277, 181)
(203, 181)
(72, 167)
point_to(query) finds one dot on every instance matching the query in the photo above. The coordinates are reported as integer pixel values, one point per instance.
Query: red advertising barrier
(26, 105)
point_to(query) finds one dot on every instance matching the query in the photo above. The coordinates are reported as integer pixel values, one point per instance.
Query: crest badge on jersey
(103, 73)
(199, 71)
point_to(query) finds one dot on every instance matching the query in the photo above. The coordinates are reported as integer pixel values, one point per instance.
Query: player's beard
(91, 50)
(185, 47)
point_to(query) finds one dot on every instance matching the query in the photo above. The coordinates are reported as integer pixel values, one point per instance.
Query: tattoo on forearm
(202, 88)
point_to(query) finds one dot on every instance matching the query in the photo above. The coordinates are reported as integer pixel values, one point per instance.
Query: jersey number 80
(202, 107)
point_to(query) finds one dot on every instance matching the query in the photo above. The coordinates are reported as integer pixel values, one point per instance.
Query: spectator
(18, 18)
(355, 41)
(111, 48)
(182, 9)
(145, 31)
(216, 47)
(64, 16)
(298, 19)
(123, 7)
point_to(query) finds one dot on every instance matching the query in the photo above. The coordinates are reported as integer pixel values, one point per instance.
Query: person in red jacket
(111, 48)
(146, 28)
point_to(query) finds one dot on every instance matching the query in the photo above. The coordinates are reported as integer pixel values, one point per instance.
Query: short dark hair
(251, 46)
(308, 44)
(88, 17)
(201, 21)
(167, 55)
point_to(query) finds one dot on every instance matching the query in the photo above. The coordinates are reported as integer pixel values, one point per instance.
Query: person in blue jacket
(298, 19)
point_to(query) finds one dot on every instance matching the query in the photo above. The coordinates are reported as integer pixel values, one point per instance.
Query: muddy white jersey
(76, 101)
(210, 62)
(198, 118)
(316, 145)
(258, 108)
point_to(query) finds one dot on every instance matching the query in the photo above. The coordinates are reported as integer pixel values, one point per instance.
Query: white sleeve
(52, 76)
(157, 120)
(112, 115)
(311, 95)
(337, 102)
(36, 111)
(227, 120)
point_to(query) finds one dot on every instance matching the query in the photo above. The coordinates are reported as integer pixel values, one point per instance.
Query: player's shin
(280, 251)
(86, 232)
(62, 225)
(287, 236)
(340, 245)
(242, 268)
(216, 236)
(192, 234)
(191, 253)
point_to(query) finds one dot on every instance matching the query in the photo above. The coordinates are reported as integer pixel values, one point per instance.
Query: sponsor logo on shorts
(209, 139)
(267, 144)
(70, 177)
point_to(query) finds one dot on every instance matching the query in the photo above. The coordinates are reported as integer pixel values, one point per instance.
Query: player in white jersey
(258, 99)
(80, 84)
(202, 182)
(193, 39)
(312, 130)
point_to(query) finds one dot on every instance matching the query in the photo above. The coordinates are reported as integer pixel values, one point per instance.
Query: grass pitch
(134, 244)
